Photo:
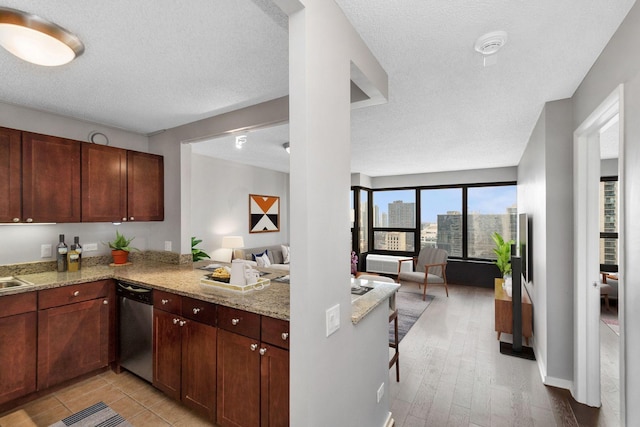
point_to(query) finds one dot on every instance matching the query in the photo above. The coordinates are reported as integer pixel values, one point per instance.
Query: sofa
(277, 259)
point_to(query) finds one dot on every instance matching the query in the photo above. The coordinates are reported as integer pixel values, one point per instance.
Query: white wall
(219, 201)
(620, 63)
(21, 243)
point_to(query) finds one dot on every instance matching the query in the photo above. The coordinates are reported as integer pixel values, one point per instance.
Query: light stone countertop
(273, 301)
(361, 305)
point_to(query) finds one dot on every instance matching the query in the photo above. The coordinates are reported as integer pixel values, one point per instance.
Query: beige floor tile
(147, 418)
(80, 389)
(127, 407)
(16, 418)
(126, 381)
(147, 396)
(193, 420)
(106, 394)
(51, 416)
(169, 410)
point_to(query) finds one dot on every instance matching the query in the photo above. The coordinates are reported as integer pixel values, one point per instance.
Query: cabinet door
(10, 179)
(238, 380)
(274, 384)
(145, 186)
(50, 179)
(167, 352)
(17, 356)
(199, 367)
(104, 183)
(72, 340)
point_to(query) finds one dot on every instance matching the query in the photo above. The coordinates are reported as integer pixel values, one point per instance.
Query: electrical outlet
(45, 251)
(381, 392)
(167, 245)
(333, 319)
(88, 247)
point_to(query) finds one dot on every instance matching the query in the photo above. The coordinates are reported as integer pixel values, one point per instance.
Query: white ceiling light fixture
(37, 40)
(287, 147)
(240, 141)
(489, 45)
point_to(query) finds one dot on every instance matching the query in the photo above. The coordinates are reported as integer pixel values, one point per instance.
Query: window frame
(610, 268)
(418, 223)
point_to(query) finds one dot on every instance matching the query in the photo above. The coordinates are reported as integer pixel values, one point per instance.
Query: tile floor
(137, 401)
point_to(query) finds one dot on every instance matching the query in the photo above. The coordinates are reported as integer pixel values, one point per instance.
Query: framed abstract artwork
(264, 213)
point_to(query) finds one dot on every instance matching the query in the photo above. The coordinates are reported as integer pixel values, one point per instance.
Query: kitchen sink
(12, 283)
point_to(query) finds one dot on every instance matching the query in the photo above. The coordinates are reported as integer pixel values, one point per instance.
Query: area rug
(410, 308)
(610, 318)
(98, 415)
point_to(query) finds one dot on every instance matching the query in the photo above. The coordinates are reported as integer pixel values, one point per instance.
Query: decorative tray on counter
(208, 284)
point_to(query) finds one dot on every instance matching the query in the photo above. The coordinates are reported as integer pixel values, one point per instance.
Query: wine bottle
(73, 259)
(61, 255)
(76, 242)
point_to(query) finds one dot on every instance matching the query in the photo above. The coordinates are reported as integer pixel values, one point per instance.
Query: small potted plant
(503, 254)
(120, 248)
(196, 253)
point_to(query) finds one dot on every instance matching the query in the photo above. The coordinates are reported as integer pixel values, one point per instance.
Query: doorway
(587, 172)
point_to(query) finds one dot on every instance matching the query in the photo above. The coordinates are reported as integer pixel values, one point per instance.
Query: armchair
(429, 269)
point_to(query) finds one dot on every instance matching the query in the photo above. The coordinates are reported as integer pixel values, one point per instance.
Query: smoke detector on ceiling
(489, 45)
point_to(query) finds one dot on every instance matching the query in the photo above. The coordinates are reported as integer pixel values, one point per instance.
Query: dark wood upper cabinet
(104, 183)
(145, 187)
(10, 176)
(50, 179)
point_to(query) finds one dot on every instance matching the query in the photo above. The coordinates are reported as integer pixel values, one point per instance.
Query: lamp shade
(232, 242)
(37, 40)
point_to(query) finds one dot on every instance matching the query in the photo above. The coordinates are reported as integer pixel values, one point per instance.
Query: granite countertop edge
(182, 280)
(364, 304)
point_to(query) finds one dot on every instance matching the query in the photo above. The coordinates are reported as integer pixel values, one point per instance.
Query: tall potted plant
(503, 256)
(120, 248)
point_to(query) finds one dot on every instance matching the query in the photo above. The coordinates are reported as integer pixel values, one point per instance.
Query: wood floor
(452, 373)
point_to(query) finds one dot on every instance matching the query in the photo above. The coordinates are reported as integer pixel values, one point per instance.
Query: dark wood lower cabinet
(274, 386)
(184, 361)
(73, 340)
(17, 355)
(253, 382)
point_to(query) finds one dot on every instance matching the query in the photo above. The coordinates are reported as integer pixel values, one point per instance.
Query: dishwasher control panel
(135, 292)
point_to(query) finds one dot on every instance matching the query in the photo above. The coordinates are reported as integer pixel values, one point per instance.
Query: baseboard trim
(547, 380)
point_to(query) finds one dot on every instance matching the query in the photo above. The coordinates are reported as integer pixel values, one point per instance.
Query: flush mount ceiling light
(240, 141)
(287, 147)
(37, 40)
(489, 45)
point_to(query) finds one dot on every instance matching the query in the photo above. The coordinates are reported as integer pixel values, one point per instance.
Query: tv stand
(504, 313)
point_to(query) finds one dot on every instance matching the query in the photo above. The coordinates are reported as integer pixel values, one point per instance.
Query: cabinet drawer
(200, 311)
(167, 301)
(73, 293)
(17, 304)
(239, 321)
(275, 332)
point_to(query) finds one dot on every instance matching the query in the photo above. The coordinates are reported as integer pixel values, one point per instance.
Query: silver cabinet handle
(234, 322)
(105, 302)
(76, 293)
(253, 347)
(263, 351)
(285, 335)
(16, 219)
(164, 301)
(196, 310)
(182, 323)
(29, 219)
(175, 321)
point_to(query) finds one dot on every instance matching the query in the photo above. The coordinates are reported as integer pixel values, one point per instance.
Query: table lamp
(233, 243)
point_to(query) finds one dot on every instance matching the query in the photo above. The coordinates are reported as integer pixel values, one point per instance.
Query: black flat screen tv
(524, 246)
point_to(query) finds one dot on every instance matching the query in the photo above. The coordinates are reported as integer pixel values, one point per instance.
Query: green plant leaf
(197, 254)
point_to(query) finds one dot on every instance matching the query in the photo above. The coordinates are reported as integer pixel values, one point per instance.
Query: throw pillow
(256, 256)
(264, 260)
(285, 254)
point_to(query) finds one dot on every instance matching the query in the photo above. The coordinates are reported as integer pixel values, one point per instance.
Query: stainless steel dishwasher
(136, 329)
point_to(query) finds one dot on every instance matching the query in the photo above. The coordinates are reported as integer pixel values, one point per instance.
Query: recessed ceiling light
(37, 40)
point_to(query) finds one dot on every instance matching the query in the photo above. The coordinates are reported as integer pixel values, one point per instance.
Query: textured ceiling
(153, 65)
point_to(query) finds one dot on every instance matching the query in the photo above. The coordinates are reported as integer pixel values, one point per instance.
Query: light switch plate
(333, 319)
(88, 247)
(167, 245)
